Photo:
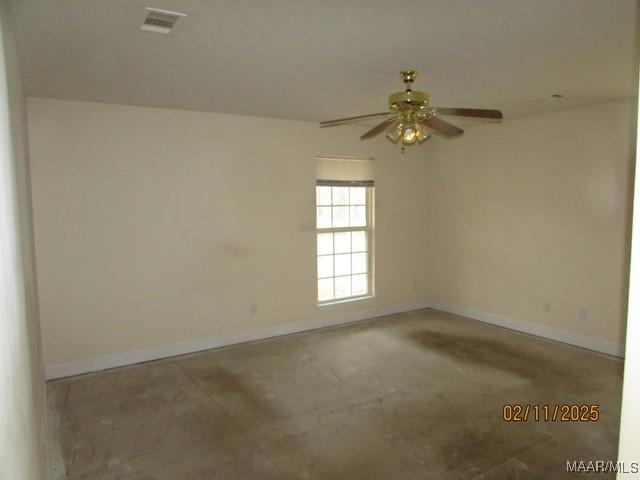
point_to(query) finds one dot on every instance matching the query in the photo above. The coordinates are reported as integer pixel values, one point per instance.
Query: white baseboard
(537, 329)
(121, 359)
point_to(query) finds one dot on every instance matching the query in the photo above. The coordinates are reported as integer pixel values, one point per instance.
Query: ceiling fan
(409, 113)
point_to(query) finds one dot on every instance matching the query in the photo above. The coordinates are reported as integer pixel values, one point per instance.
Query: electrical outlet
(583, 314)
(254, 308)
(547, 307)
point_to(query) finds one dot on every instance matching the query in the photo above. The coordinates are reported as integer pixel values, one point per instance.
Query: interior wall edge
(122, 359)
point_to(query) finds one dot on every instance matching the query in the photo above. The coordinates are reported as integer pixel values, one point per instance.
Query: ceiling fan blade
(342, 121)
(443, 127)
(470, 112)
(378, 129)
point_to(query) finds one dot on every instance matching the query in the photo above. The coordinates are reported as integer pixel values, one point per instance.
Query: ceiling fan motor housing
(410, 100)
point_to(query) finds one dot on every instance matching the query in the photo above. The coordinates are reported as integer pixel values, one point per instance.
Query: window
(344, 214)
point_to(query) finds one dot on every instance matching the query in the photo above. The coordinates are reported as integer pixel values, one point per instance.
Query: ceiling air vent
(160, 21)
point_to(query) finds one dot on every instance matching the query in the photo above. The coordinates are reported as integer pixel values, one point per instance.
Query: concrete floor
(413, 396)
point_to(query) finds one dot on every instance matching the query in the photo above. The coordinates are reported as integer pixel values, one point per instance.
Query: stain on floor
(412, 396)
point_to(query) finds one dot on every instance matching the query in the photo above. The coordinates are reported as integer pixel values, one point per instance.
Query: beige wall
(534, 212)
(155, 226)
(21, 379)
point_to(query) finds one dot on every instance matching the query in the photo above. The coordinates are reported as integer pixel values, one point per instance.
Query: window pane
(343, 287)
(359, 285)
(325, 266)
(358, 216)
(343, 264)
(358, 196)
(340, 195)
(325, 289)
(358, 242)
(359, 263)
(323, 195)
(325, 243)
(324, 217)
(340, 216)
(343, 242)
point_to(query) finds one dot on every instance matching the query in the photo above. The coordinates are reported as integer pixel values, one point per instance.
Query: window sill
(346, 300)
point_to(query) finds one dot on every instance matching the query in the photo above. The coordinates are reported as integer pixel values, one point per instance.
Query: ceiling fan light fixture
(423, 134)
(409, 134)
(409, 131)
(395, 134)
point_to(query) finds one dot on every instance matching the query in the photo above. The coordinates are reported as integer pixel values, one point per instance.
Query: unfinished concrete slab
(412, 396)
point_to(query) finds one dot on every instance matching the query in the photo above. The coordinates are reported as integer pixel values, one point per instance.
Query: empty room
(247, 240)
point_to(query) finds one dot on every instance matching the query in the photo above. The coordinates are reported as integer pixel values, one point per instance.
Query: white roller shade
(351, 169)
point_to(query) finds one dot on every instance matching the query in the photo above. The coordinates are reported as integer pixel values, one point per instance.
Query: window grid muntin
(366, 229)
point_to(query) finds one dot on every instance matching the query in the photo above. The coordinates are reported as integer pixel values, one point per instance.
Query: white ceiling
(322, 59)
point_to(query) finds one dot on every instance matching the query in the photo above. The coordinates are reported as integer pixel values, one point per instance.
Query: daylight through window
(344, 236)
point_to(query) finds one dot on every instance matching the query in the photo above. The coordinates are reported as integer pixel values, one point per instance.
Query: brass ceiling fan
(409, 113)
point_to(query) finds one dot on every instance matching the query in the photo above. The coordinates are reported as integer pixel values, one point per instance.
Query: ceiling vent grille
(160, 21)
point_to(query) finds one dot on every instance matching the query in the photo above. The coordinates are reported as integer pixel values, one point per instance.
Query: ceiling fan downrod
(408, 76)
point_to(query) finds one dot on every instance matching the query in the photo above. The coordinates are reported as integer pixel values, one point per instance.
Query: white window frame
(368, 229)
